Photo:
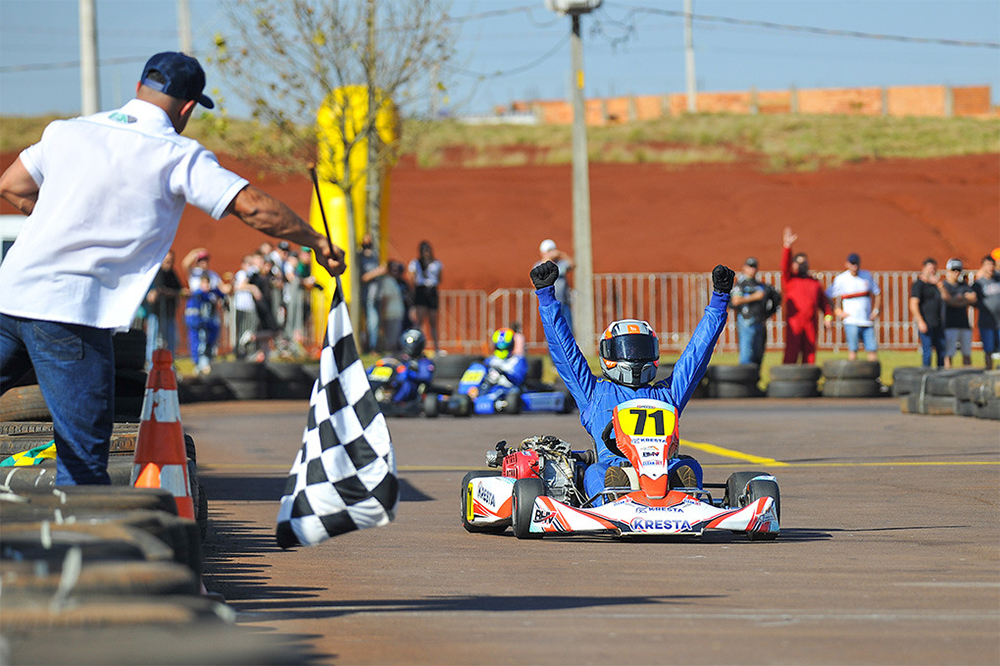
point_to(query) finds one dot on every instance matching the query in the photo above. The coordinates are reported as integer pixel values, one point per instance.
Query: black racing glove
(722, 279)
(544, 275)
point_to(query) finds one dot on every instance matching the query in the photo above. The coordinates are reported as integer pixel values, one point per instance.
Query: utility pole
(692, 99)
(583, 253)
(184, 27)
(90, 87)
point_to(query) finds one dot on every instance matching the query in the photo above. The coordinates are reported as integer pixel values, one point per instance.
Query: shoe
(616, 477)
(687, 477)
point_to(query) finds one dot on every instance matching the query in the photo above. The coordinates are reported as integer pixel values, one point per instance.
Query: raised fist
(544, 275)
(722, 279)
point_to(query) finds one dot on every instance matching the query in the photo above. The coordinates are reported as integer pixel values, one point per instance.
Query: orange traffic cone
(160, 455)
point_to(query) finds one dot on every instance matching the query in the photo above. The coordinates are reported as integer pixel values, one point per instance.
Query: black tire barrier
(934, 405)
(43, 477)
(965, 408)
(24, 403)
(851, 388)
(946, 382)
(102, 578)
(720, 389)
(535, 366)
(739, 374)
(26, 613)
(843, 369)
(991, 410)
(130, 349)
(907, 380)
(793, 388)
(105, 498)
(796, 373)
(450, 367)
(105, 541)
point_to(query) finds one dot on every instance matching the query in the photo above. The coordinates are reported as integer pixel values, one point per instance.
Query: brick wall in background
(934, 101)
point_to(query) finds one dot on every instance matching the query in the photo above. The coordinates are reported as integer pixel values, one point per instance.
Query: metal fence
(672, 303)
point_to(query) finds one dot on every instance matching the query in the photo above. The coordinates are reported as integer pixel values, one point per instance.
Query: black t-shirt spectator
(930, 305)
(167, 286)
(956, 317)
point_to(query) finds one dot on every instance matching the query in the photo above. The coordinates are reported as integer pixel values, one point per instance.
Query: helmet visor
(630, 348)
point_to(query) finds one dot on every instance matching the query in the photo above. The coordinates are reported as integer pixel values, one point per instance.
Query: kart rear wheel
(513, 403)
(463, 406)
(525, 492)
(430, 405)
(568, 403)
(495, 528)
(757, 489)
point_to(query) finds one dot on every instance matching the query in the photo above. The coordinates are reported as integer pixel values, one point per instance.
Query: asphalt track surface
(889, 550)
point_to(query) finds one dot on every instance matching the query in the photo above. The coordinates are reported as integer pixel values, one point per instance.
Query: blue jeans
(372, 322)
(866, 334)
(75, 366)
(750, 334)
(932, 340)
(154, 331)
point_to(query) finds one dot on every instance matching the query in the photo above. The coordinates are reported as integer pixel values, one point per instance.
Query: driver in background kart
(504, 368)
(415, 368)
(629, 352)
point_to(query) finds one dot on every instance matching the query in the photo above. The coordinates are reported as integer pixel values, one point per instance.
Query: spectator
(371, 271)
(195, 263)
(957, 297)
(245, 294)
(987, 290)
(304, 271)
(857, 300)
(201, 317)
(77, 272)
(804, 298)
(754, 302)
(426, 272)
(398, 271)
(926, 309)
(565, 264)
(161, 309)
(520, 346)
(392, 305)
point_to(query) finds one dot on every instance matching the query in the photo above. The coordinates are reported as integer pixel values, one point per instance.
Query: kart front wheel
(495, 528)
(757, 489)
(523, 506)
(736, 485)
(430, 405)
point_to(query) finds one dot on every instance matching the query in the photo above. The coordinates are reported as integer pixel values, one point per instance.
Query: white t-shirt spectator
(88, 254)
(856, 292)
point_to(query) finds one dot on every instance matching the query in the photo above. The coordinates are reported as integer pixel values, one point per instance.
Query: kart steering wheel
(608, 438)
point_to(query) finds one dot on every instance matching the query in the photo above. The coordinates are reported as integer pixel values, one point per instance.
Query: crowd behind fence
(672, 303)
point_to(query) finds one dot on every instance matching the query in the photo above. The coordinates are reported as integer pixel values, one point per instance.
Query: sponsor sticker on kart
(647, 524)
(473, 376)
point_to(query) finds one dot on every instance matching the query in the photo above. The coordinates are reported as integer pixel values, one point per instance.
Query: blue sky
(521, 52)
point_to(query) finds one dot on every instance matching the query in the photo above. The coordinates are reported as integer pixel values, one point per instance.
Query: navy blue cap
(185, 79)
(853, 258)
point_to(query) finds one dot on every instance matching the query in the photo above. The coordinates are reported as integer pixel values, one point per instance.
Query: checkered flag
(344, 478)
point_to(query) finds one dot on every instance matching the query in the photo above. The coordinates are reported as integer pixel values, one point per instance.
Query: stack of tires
(852, 379)
(984, 395)
(733, 381)
(794, 381)
(961, 391)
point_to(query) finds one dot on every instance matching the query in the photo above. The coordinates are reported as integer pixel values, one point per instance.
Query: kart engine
(545, 456)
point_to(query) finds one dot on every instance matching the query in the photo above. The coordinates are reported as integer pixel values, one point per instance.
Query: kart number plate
(472, 376)
(646, 421)
(382, 372)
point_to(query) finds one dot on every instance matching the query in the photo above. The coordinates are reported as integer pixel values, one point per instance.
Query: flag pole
(322, 214)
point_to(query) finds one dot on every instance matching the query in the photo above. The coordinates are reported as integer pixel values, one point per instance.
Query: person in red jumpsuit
(804, 297)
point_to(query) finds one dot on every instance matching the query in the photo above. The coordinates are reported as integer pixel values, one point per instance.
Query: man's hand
(722, 279)
(545, 275)
(788, 237)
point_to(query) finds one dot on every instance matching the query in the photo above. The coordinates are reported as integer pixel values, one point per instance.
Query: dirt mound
(486, 223)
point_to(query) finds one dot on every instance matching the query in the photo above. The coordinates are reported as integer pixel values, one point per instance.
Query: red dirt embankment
(486, 223)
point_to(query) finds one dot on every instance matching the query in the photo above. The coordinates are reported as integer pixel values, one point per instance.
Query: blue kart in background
(492, 390)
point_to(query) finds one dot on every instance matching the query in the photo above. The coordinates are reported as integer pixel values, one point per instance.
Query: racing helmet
(412, 342)
(503, 342)
(630, 352)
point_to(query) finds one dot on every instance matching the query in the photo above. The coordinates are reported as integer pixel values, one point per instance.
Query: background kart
(540, 491)
(389, 374)
(479, 384)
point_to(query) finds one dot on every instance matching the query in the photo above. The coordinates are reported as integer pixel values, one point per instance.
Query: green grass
(779, 142)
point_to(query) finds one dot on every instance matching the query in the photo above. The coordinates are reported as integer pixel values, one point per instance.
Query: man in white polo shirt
(856, 300)
(104, 195)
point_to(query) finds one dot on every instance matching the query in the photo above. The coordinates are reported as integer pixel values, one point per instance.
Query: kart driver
(506, 369)
(415, 369)
(629, 352)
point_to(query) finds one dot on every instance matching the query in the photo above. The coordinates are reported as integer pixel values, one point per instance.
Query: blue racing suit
(411, 374)
(596, 397)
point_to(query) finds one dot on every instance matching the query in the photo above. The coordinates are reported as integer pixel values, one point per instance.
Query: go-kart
(491, 395)
(539, 489)
(389, 374)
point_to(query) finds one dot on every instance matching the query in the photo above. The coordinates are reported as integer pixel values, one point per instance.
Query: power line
(818, 31)
(516, 70)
